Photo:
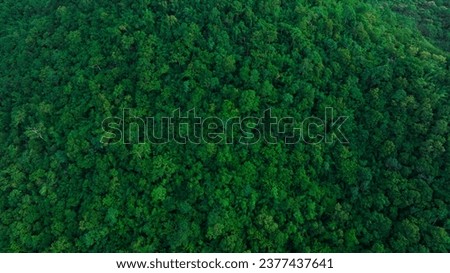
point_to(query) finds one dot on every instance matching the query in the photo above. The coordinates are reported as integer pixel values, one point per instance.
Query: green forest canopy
(67, 65)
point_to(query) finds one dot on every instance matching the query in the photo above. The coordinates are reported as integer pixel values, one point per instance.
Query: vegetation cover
(65, 66)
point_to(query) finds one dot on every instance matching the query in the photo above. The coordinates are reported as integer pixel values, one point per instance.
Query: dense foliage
(67, 65)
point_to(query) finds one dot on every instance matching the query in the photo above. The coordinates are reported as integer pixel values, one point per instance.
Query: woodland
(66, 65)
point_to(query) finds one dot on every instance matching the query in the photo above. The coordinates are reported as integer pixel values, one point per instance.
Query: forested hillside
(65, 66)
(432, 18)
